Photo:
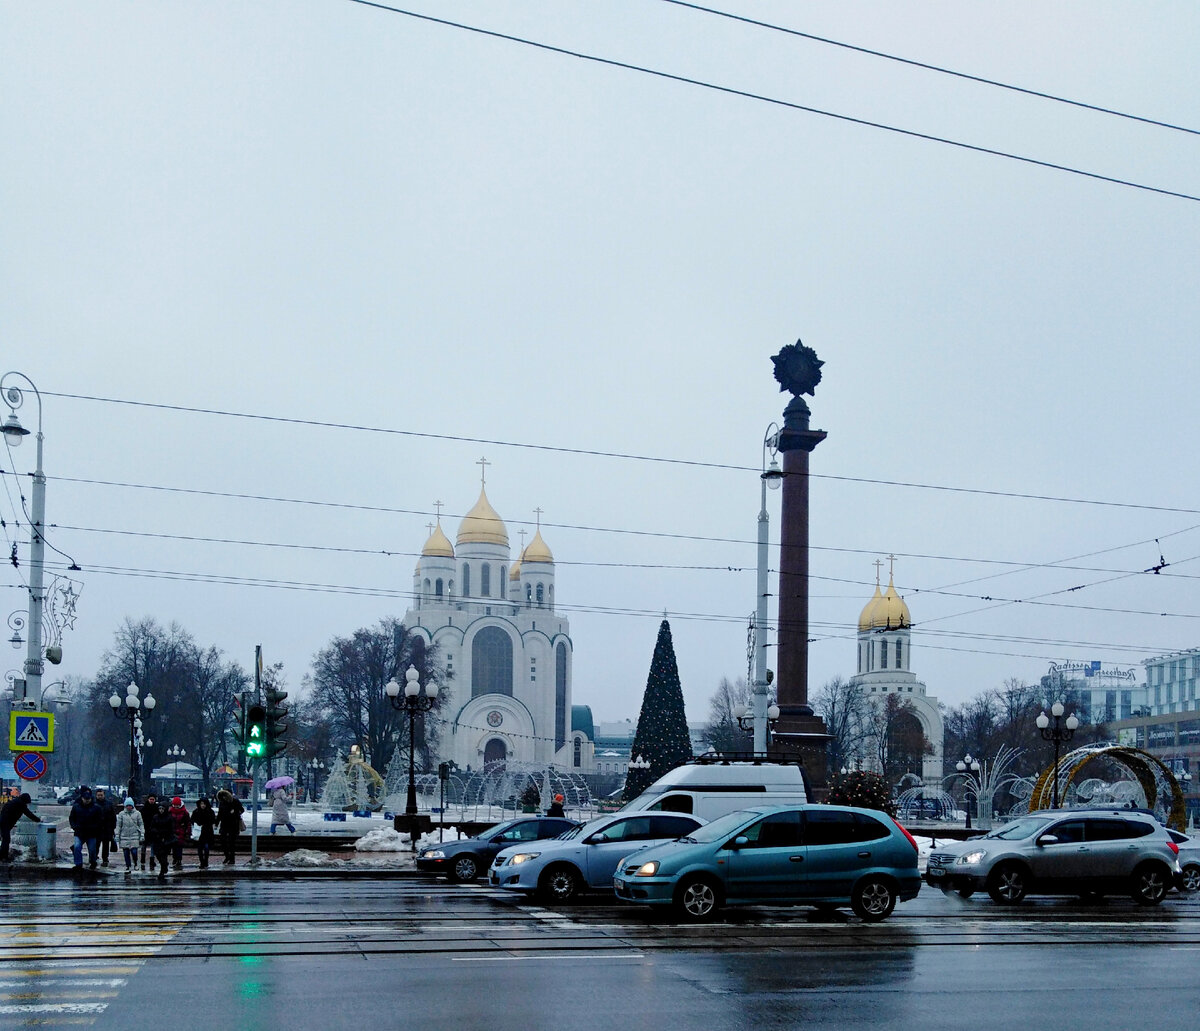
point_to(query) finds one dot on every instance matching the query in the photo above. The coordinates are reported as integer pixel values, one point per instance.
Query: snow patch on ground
(383, 839)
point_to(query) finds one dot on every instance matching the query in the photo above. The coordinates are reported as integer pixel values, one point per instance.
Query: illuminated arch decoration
(1146, 769)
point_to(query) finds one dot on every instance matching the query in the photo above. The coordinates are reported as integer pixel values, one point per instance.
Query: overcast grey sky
(326, 211)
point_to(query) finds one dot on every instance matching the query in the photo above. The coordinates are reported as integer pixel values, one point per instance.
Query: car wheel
(1151, 882)
(873, 899)
(464, 868)
(697, 898)
(1008, 884)
(1191, 877)
(558, 884)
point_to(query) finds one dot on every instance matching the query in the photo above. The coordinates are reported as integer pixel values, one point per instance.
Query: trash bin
(47, 840)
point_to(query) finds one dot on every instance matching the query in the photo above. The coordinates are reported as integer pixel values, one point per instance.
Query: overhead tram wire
(927, 66)
(558, 449)
(776, 102)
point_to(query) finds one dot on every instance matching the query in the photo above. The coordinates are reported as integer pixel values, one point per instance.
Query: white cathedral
(508, 651)
(885, 668)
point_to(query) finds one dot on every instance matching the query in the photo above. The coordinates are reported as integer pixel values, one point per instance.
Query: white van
(709, 789)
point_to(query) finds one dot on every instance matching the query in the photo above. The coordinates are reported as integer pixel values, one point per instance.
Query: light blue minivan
(811, 855)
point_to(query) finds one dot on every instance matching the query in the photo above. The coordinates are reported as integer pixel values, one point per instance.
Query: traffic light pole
(254, 765)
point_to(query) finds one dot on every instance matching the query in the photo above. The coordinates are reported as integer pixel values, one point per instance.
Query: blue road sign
(31, 732)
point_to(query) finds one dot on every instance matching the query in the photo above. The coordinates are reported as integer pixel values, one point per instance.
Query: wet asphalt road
(410, 953)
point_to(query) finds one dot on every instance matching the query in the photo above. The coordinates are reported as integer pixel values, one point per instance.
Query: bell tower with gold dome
(506, 648)
(885, 668)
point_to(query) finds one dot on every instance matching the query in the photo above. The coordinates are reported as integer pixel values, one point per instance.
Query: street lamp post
(178, 753)
(747, 719)
(412, 702)
(1062, 730)
(314, 765)
(131, 709)
(771, 477)
(965, 764)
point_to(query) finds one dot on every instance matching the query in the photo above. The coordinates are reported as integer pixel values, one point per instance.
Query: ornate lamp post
(771, 477)
(131, 710)
(639, 764)
(967, 762)
(412, 702)
(1062, 730)
(748, 719)
(313, 766)
(178, 753)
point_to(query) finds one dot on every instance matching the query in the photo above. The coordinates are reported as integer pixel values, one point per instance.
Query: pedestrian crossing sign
(31, 732)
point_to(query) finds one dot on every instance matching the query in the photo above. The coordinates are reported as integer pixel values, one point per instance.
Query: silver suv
(1088, 853)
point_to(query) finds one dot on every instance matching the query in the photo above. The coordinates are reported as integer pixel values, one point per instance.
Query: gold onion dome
(514, 574)
(864, 620)
(482, 525)
(537, 550)
(438, 545)
(886, 612)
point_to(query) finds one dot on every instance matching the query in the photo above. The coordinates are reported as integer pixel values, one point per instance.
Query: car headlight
(433, 853)
(524, 857)
(972, 858)
(647, 869)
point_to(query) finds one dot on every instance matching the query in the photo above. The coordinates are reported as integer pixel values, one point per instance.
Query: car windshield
(721, 827)
(1023, 828)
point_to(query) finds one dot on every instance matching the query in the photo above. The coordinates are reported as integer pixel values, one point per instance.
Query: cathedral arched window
(485, 580)
(427, 588)
(550, 595)
(450, 588)
(899, 663)
(491, 662)
(540, 595)
(560, 696)
(466, 578)
(883, 654)
(529, 594)
(437, 588)
(578, 759)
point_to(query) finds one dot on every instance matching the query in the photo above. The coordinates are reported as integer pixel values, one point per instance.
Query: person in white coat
(279, 812)
(130, 834)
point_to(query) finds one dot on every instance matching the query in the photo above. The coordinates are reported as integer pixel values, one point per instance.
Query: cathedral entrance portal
(495, 751)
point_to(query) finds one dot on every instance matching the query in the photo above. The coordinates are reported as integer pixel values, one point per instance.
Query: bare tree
(722, 731)
(900, 744)
(213, 686)
(847, 715)
(349, 676)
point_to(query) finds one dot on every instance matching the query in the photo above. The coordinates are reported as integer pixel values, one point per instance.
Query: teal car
(823, 856)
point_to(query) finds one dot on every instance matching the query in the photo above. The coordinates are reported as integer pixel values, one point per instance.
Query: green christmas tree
(662, 737)
(862, 789)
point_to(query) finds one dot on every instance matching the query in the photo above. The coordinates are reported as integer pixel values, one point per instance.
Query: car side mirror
(741, 841)
(1047, 839)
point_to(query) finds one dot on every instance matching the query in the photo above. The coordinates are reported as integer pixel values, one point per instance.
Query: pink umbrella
(278, 782)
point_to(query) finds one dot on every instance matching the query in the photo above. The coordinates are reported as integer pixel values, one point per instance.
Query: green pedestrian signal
(256, 732)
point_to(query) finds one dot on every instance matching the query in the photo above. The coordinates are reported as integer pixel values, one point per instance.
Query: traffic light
(276, 727)
(256, 732)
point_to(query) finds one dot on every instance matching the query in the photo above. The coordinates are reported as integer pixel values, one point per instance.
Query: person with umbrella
(279, 809)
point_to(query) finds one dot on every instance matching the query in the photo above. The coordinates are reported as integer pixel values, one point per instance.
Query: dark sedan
(467, 858)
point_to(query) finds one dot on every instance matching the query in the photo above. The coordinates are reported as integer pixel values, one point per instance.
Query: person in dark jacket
(108, 825)
(205, 818)
(149, 810)
(160, 836)
(87, 822)
(556, 807)
(9, 815)
(181, 819)
(229, 823)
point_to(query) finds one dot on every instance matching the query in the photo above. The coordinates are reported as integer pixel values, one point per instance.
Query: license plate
(936, 871)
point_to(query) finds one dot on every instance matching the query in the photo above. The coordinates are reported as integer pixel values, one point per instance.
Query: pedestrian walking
(181, 821)
(556, 807)
(279, 812)
(160, 835)
(204, 818)
(130, 833)
(87, 822)
(229, 824)
(149, 811)
(10, 813)
(108, 824)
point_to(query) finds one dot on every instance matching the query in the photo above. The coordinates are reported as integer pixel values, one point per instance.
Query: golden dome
(514, 574)
(865, 619)
(438, 545)
(886, 612)
(482, 525)
(537, 550)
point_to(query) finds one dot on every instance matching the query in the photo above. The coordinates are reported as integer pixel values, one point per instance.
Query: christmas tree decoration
(662, 739)
(337, 788)
(862, 789)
